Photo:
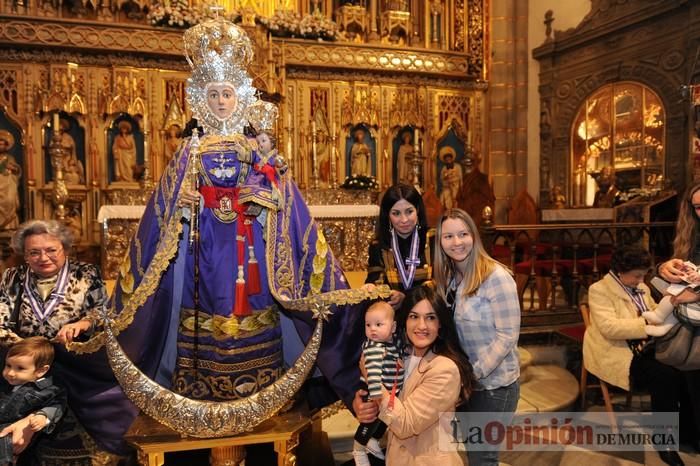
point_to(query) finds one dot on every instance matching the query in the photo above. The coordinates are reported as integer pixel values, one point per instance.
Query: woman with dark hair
(614, 342)
(398, 256)
(438, 376)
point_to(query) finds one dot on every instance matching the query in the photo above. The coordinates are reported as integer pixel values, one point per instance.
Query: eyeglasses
(51, 253)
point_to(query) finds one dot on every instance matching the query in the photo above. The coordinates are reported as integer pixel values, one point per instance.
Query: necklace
(406, 267)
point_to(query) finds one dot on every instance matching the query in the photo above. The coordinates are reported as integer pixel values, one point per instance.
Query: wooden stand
(153, 440)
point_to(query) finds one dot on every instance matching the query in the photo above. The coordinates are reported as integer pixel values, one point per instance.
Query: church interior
(563, 128)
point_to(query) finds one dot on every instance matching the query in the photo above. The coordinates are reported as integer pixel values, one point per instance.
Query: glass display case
(617, 145)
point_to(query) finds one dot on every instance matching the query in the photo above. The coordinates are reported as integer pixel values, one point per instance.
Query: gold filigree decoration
(223, 328)
(330, 410)
(338, 297)
(319, 263)
(451, 64)
(322, 312)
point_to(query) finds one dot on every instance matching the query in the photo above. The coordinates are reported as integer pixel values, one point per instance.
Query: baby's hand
(693, 278)
(369, 286)
(37, 422)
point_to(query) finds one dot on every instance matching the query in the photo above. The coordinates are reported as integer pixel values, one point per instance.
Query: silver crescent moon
(207, 419)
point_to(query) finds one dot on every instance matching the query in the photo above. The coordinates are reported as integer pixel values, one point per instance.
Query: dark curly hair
(630, 257)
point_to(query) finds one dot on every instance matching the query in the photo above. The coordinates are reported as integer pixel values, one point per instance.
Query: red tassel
(253, 282)
(241, 306)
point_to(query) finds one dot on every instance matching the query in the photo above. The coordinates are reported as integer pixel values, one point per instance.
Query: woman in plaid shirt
(486, 309)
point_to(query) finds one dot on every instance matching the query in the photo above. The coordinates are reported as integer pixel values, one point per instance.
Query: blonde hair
(687, 227)
(479, 263)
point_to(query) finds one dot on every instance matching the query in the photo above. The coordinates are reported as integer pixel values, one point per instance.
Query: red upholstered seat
(585, 266)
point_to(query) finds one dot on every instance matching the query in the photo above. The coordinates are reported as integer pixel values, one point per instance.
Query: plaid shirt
(488, 324)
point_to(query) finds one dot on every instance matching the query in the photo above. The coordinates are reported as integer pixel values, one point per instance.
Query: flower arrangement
(283, 23)
(363, 182)
(317, 26)
(178, 14)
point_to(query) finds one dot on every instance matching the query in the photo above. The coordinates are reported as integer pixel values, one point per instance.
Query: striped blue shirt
(382, 366)
(488, 324)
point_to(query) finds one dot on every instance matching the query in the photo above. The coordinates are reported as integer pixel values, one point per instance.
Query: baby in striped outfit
(384, 367)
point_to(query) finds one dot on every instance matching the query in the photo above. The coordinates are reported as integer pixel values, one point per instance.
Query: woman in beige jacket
(438, 376)
(613, 345)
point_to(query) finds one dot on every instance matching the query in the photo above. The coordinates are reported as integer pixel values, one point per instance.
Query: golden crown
(217, 49)
(262, 115)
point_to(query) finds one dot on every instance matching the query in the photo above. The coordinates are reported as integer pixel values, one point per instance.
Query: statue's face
(468, 163)
(222, 99)
(264, 142)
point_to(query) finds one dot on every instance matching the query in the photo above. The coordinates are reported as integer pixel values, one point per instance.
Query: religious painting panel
(72, 138)
(11, 173)
(402, 150)
(323, 147)
(319, 105)
(361, 152)
(125, 143)
(450, 173)
(75, 221)
(172, 137)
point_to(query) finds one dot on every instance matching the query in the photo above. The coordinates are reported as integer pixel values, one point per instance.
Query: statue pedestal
(153, 440)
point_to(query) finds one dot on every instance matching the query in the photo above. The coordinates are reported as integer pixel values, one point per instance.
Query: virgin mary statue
(216, 298)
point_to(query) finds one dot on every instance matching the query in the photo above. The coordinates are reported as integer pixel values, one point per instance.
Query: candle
(55, 122)
(333, 128)
(313, 127)
(289, 121)
(386, 168)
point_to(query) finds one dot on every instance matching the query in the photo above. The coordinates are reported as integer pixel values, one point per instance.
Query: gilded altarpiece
(118, 87)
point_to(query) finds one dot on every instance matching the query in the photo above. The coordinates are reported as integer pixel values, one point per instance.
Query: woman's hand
(686, 296)
(396, 298)
(672, 271)
(70, 332)
(22, 434)
(365, 411)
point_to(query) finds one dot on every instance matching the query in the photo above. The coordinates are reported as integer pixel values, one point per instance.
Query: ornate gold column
(417, 160)
(334, 159)
(227, 456)
(314, 157)
(373, 34)
(59, 195)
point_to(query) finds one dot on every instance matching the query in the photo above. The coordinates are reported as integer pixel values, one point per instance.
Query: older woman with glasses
(58, 297)
(52, 296)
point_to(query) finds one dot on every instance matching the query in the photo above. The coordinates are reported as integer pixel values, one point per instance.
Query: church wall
(566, 15)
(507, 96)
